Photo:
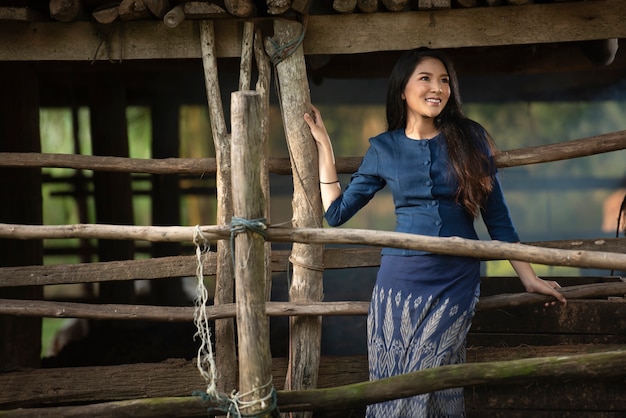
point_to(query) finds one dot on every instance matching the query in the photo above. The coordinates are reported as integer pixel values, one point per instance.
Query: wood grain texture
(333, 34)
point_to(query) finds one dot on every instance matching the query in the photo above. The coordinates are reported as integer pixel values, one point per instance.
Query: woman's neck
(424, 129)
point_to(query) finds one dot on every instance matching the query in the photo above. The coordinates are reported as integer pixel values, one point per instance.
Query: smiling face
(427, 91)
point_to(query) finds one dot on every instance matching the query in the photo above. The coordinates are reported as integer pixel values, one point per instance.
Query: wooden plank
(331, 34)
(548, 397)
(593, 317)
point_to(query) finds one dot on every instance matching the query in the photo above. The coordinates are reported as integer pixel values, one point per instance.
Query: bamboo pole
(255, 359)
(564, 367)
(492, 250)
(307, 280)
(48, 309)
(584, 147)
(224, 285)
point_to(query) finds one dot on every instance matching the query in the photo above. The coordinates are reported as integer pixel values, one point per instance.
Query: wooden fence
(608, 254)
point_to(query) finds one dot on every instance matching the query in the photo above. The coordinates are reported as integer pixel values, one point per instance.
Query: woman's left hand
(545, 287)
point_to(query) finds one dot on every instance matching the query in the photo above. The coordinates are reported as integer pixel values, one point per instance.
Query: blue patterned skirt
(420, 313)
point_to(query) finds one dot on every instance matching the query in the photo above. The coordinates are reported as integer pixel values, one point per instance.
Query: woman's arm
(329, 182)
(534, 284)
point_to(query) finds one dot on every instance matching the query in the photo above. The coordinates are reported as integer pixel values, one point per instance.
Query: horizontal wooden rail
(48, 309)
(581, 366)
(492, 250)
(584, 147)
(185, 265)
(180, 377)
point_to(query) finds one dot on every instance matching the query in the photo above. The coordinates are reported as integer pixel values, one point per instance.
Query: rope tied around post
(205, 361)
(233, 406)
(239, 225)
(280, 52)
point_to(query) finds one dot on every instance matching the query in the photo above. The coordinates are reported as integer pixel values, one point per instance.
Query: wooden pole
(493, 250)
(593, 145)
(20, 191)
(32, 308)
(255, 359)
(226, 360)
(599, 365)
(306, 282)
(262, 87)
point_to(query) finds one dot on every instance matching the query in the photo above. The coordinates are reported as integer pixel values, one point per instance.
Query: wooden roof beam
(326, 34)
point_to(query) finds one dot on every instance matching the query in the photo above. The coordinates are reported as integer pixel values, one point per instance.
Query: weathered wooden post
(226, 360)
(248, 225)
(306, 284)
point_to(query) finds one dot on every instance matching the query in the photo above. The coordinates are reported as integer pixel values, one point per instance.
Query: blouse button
(438, 223)
(426, 162)
(429, 183)
(434, 203)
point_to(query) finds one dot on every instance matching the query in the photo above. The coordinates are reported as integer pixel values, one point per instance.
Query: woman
(438, 165)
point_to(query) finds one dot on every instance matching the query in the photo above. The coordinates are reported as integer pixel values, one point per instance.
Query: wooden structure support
(30, 308)
(492, 250)
(593, 145)
(578, 21)
(225, 291)
(563, 367)
(249, 207)
(20, 341)
(306, 284)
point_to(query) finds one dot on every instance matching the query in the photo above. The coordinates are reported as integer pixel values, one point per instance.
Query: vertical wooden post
(262, 87)
(113, 193)
(306, 283)
(255, 361)
(20, 188)
(165, 194)
(226, 360)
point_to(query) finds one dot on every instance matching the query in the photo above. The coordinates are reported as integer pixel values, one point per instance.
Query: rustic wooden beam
(20, 190)
(175, 16)
(183, 266)
(562, 367)
(178, 377)
(48, 309)
(64, 10)
(240, 8)
(249, 205)
(307, 280)
(133, 10)
(332, 34)
(224, 288)
(158, 7)
(262, 86)
(584, 147)
(493, 250)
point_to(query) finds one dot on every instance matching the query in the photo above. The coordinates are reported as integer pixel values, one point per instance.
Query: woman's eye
(445, 80)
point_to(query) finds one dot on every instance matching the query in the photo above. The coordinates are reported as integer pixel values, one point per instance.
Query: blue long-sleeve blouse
(419, 176)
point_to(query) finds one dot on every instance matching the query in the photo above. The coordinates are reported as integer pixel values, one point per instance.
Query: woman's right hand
(316, 124)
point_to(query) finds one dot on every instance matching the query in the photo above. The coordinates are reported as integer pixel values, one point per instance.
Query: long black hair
(469, 145)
